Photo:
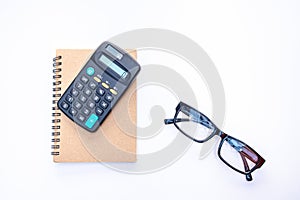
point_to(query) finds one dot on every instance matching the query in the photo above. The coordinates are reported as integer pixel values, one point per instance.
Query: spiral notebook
(115, 139)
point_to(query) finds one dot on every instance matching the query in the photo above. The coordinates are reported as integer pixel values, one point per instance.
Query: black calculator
(98, 86)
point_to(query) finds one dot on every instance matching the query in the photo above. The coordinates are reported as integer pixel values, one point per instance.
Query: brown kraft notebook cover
(115, 139)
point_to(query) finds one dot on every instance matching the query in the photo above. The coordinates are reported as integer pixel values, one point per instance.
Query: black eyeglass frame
(241, 147)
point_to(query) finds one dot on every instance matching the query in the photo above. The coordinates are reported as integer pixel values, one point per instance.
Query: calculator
(99, 85)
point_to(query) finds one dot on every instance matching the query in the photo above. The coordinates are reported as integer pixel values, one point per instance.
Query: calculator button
(103, 104)
(92, 85)
(96, 98)
(84, 79)
(91, 104)
(81, 117)
(82, 98)
(74, 92)
(91, 120)
(87, 91)
(114, 92)
(72, 111)
(100, 91)
(77, 105)
(105, 85)
(79, 86)
(108, 97)
(69, 98)
(65, 105)
(90, 71)
(86, 111)
(99, 111)
(97, 79)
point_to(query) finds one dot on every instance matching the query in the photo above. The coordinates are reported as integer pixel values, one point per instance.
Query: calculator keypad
(82, 98)
(81, 117)
(84, 79)
(74, 92)
(88, 99)
(100, 91)
(108, 97)
(70, 99)
(96, 98)
(72, 111)
(79, 86)
(92, 85)
(103, 104)
(77, 105)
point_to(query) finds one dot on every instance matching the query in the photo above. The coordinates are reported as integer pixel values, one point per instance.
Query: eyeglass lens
(189, 122)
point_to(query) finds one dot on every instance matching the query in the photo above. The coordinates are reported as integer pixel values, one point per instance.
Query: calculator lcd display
(113, 66)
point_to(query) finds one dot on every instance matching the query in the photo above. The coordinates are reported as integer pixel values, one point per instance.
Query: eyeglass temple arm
(241, 149)
(248, 176)
(171, 121)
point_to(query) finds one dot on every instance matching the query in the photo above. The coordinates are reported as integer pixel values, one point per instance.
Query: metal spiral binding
(56, 114)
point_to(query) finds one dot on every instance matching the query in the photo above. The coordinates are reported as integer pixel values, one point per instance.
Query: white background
(254, 45)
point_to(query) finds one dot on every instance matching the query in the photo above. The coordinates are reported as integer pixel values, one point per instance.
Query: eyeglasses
(233, 152)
